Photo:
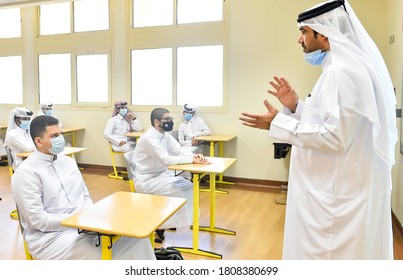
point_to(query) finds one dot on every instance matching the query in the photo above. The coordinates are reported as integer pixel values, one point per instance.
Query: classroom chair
(27, 253)
(116, 174)
(14, 213)
(130, 169)
(10, 160)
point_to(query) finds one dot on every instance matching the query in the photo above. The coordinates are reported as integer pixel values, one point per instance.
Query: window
(92, 78)
(81, 16)
(176, 45)
(190, 11)
(55, 18)
(55, 78)
(10, 23)
(200, 75)
(11, 80)
(149, 66)
(148, 13)
(91, 15)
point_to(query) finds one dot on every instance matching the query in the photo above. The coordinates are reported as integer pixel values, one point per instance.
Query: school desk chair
(116, 174)
(14, 213)
(27, 253)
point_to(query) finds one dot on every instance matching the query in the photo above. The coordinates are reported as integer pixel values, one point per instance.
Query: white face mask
(123, 112)
(25, 124)
(58, 145)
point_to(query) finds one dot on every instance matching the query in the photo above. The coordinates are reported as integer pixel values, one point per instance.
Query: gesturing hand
(284, 93)
(262, 121)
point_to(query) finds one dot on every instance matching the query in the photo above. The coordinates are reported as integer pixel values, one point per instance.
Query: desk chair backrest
(130, 166)
(174, 133)
(27, 253)
(10, 160)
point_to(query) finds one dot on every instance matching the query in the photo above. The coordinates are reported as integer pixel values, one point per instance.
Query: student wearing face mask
(122, 122)
(155, 151)
(47, 188)
(192, 126)
(47, 109)
(17, 137)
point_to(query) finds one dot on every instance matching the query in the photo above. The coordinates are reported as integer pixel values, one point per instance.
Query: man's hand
(199, 158)
(122, 143)
(131, 116)
(262, 121)
(195, 142)
(284, 93)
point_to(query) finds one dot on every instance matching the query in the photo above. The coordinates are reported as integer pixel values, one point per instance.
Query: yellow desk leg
(196, 203)
(220, 176)
(212, 227)
(73, 139)
(107, 244)
(152, 237)
(212, 152)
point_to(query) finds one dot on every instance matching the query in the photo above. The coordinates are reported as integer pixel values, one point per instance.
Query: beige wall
(262, 43)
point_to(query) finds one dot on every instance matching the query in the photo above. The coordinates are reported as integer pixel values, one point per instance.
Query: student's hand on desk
(199, 158)
(122, 143)
(195, 142)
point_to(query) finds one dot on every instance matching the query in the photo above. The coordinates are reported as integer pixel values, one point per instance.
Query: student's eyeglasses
(168, 119)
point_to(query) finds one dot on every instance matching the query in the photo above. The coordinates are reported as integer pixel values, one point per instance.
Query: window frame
(190, 35)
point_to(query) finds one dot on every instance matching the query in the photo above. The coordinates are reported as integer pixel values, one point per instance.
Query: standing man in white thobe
(343, 140)
(47, 188)
(155, 151)
(18, 139)
(122, 122)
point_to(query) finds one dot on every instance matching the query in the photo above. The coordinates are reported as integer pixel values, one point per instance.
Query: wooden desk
(3, 127)
(135, 134)
(218, 166)
(217, 139)
(67, 151)
(72, 131)
(125, 214)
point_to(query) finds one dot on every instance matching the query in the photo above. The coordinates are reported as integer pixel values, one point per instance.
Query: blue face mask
(58, 145)
(188, 117)
(48, 112)
(123, 112)
(315, 58)
(25, 125)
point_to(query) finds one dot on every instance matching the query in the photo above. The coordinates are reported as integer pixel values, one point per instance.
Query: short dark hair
(157, 114)
(39, 124)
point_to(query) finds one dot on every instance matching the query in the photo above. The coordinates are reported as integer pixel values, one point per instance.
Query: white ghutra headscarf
(355, 56)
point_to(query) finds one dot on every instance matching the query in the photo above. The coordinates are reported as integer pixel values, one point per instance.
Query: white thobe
(190, 129)
(115, 129)
(18, 141)
(47, 191)
(153, 154)
(339, 190)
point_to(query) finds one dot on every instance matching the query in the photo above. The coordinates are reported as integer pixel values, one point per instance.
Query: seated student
(122, 121)
(47, 109)
(47, 188)
(155, 151)
(192, 126)
(17, 137)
